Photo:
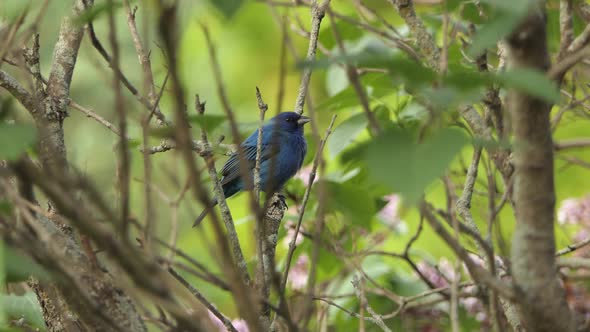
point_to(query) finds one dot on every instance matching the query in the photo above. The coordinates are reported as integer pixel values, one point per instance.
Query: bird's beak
(303, 120)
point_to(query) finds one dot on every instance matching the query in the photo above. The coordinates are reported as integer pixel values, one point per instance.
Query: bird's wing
(231, 169)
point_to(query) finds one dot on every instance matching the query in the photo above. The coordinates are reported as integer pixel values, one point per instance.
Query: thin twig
(317, 13)
(282, 66)
(134, 91)
(89, 113)
(225, 211)
(149, 206)
(573, 247)
(477, 272)
(242, 163)
(199, 296)
(263, 108)
(124, 166)
(312, 176)
(572, 144)
(566, 27)
(353, 78)
(360, 293)
(242, 295)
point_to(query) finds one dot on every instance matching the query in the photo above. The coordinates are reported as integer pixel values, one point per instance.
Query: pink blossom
(389, 213)
(299, 273)
(238, 323)
(574, 210)
(293, 210)
(474, 307)
(581, 235)
(216, 321)
(304, 173)
(438, 277)
(290, 226)
(479, 261)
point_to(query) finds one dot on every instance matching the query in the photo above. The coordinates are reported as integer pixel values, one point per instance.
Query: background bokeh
(248, 47)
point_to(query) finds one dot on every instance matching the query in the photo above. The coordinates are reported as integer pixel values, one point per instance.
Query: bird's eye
(289, 119)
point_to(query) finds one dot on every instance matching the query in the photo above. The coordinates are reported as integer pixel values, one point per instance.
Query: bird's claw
(282, 200)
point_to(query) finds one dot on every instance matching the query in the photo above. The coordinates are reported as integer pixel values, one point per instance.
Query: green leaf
(25, 306)
(382, 114)
(6, 107)
(506, 16)
(20, 268)
(5, 207)
(377, 86)
(329, 262)
(354, 202)
(520, 7)
(399, 67)
(395, 159)
(336, 80)
(227, 7)
(346, 31)
(15, 139)
(346, 133)
(448, 97)
(207, 122)
(490, 33)
(410, 72)
(465, 79)
(11, 10)
(133, 143)
(95, 11)
(162, 132)
(451, 5)
(412, 113)
(532, 82)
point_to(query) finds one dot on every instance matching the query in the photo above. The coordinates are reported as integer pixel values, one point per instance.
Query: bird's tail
(204, 214)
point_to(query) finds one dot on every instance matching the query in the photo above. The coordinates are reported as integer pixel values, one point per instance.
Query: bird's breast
(291, 155)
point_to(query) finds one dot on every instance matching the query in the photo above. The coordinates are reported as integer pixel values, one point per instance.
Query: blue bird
(282, 154)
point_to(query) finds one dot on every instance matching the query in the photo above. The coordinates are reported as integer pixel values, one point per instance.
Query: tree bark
(542, 306)
(83, 298)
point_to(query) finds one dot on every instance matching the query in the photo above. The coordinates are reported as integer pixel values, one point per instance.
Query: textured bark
(542, 306)
(271, 223)
(423, 40)
(54, 307)
(84, 298)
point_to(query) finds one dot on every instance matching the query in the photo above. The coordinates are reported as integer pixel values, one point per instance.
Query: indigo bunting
(282, 152)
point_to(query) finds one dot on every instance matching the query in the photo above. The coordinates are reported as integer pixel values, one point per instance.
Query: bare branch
(478, 273)
(242, 295)
(312, 175)
(543, 306)
(123, 163)
(566, 26)
(17, 91)
(573, 247)
(225, 211)
(199, 296)
(143, 100)
(572, 144)
(353, 78)
(359, 290)
(89, 113)
(317, 13)
(423, 40)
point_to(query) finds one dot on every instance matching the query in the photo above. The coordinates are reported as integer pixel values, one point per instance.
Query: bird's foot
(282, 200)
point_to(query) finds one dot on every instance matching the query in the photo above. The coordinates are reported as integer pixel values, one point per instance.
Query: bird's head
(290, 122)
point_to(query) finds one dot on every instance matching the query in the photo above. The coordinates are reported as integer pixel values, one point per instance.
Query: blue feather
(282, 153)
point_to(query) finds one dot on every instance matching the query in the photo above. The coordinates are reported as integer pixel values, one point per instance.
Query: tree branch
(542, 305)
(317, 14)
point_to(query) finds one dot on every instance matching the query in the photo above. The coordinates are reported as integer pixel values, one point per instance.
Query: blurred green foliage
(361, 170)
